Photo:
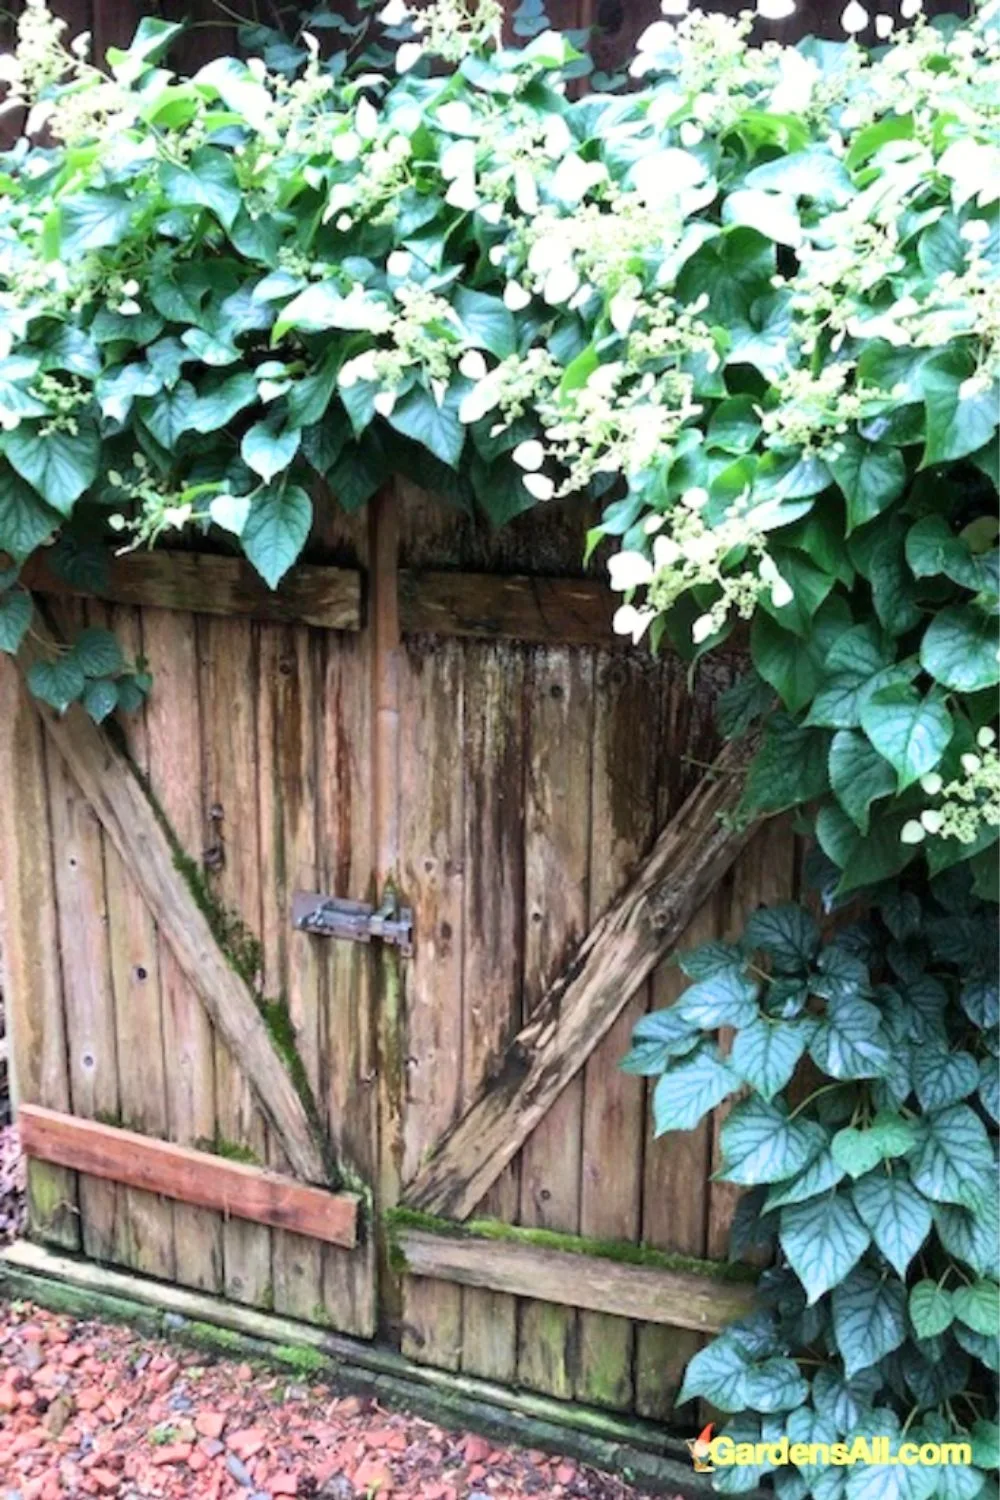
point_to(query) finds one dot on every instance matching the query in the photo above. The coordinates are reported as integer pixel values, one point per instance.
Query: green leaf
(760, 1143)
(855, 1151)
(869, 1318)
(15, 617)
(766, 1052)
(168, 416)
(972, 1236)
(858, 775)
(941, 1078)
(791, 666)
(25, 522)
(735, 425)
(59, 465)
(775, 1385)
(870, 475)
(790, 767)
(322, 306)
(656, 1039)
(58, 683)
(959, 421)
(718, 1372)
(930, 1309)
(910, 732)
(100, 698)
(932, 549)
(787, 933)
(98, 653)
(276, 530)
(818, 1177)
(959, 649)
(898, 1217)
(217, 404)
(268, 451)
(418, 416)
(208, 181)
(978, 1306)
(92, 221)
(814, 173)
(686, 1093)
(487, 322)
(823, 1239)
(726, 998)
(849, 1042)
(954, 1160)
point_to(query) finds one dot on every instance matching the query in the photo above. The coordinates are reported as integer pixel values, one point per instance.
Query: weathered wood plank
(680, 1299)
(493, 919)
(146, 1223)
(622, 826)
(31, 978)
(114, 792)
(288, 707)
(432, 875)
(230, 835)
(174, 735)
(198, 582)
(565, 611)
(558, 758)
(689, 858)
(231, 1187)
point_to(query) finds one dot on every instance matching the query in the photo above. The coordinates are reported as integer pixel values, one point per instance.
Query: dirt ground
(93, 1409)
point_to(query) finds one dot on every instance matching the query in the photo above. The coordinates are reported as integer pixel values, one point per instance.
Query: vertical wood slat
(289, 709)
(146, 1237)
(557, 857)
(621, 830)
(88, 996)
(29, 949)
(349, 1085)
(494, 945)
(174, 747)
(227, 690)
(432, 872)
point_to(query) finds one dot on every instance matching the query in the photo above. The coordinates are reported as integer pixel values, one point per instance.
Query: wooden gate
(438, 1148)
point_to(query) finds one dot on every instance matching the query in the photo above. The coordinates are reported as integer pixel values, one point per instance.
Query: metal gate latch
(333, 916)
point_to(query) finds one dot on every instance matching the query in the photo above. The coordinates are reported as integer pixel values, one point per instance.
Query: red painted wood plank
(232, 1187)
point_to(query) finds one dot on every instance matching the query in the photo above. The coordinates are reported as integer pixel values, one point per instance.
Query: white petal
(346, 146)
(394, 14)
(629, 570)
(473, 365)
(986, 737)
(439, 389)
(970, 764)
(775, 10)
(702, 628)
(932, 783)
(854, 18)
(455, 115)
(539, 485)
(932, 820)
(560, 284)
(400, 263)
(691, 134)
(472, 407)
(385, 403)
(912, 832)
(674, 7)
(525, 191)
(883, 27)
(366, 120)
(529, 455)
(408, 56)
(781, 593)
(230, 512)
(631, 621)
(492, 213)
(665, 550)
(910, 8)
(623, 310)
(498, 254)
(515, 298)
(462, 194)
(458, 160)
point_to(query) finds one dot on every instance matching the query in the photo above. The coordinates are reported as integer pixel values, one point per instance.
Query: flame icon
(700, 1448)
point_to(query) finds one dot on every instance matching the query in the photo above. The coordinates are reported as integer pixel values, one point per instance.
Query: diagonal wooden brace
(688, 860)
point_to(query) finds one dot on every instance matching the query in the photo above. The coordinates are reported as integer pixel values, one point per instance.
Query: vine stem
(826, 1089)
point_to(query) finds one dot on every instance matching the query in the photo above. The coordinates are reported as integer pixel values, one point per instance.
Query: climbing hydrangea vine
(750, 306)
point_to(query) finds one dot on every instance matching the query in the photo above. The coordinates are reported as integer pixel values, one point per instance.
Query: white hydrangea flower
(529, 455)
(986, 737)
(394, 14)
(385, 403)
(970, 764)
(932, 783)
(560, 284)
(515, 298)
(408, 55)
(539, 485)
(399, 263)
(854, 18)
(629, 570)
(912, 832)
(884, 26)
(931, 820)
(628, 620)
(346, 146)
(775, 10)
(702, 628)
(472, 365)
(675, 7)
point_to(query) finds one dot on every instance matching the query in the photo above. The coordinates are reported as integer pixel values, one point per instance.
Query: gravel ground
(92, 1409)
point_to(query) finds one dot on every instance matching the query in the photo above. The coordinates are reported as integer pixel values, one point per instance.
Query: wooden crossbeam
(110, 784)
(688, 860)
(680, 1299)
(567, 611)
(308, 594)
(236, 1189)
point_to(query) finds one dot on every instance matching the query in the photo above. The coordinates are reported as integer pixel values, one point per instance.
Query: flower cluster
(971, 802)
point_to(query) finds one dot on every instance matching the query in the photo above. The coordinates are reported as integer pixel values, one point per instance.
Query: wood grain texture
(687, 861)
(230, 837)
(680, 1299)
(551, 610)
(146, 1224)
(493, 956)
(558, 777)
(29, 950)
(622, 826)
(432, 873)
(197, 1177)
(113, 791)
(196, 581)
(287, 749)
(174, 760)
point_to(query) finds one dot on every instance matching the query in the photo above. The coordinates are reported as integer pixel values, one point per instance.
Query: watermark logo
(709, 1453)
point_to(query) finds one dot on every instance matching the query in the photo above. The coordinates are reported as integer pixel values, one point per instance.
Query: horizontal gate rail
(233, 1188)
(308, 595)
(680, 1299)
